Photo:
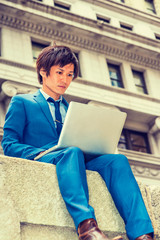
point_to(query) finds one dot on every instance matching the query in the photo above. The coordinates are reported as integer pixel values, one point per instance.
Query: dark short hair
(55, 55)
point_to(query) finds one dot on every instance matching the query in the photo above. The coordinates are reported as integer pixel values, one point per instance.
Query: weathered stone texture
(32, 206)
(39, 232)
(155, 203)
(9, 220)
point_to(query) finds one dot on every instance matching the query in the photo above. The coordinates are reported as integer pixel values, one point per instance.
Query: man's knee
(74, 150)
(121, 161)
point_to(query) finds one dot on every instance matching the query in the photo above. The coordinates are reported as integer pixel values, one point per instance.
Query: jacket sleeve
(15, 121)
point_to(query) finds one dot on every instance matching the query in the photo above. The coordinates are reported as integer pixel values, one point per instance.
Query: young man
(33, 124)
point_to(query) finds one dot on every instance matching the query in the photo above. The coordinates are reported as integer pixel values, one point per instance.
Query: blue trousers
(71, 165)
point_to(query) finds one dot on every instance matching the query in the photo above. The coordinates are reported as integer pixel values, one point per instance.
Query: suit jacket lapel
(45, 108)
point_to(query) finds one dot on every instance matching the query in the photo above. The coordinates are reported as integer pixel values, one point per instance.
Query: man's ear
(42, 73)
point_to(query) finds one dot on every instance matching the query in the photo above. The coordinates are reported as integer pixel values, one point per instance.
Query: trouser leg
(118, 176)
(71, 174)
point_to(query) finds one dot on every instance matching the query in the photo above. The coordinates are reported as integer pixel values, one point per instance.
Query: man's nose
(64, 78)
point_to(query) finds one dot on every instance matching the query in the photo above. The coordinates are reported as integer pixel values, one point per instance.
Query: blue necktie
(57, 115)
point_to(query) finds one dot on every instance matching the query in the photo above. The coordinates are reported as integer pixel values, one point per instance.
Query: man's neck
(52, 94)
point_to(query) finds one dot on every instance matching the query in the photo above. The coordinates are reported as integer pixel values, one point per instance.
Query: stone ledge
(32, 206)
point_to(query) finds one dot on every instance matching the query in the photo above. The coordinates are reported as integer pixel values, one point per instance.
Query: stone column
(155, 131)
(10, 89)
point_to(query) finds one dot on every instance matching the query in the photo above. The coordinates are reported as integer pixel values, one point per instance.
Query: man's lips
(61, 86)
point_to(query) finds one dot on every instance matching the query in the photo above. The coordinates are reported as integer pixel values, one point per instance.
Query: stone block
(32, 206)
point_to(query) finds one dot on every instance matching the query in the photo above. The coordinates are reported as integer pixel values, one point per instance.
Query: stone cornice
(83, 82)
(142, 158)
(118, 90)
(78, 40)
(114, 6)
(127, 10)
(16, 64)
(82, 38)
(74, 18)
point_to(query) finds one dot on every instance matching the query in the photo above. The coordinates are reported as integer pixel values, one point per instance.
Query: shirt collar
(46, 96)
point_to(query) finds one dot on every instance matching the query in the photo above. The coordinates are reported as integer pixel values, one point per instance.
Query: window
(62, 5)
(115, 75)
(150, 6)
(139, 82)
(36, 49)
(136, 141)
(157, 36)
(0, 42)
(36, 0)
(126, 26)
(103, 19)
(123, 1)
(77, 56)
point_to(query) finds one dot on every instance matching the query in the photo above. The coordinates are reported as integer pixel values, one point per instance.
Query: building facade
(117, 43)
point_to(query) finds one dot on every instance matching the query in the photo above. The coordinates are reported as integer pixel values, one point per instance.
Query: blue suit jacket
(29, 128)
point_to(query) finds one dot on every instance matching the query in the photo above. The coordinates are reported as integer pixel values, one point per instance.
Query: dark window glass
(157, 36)
(115, 75)
(103, 19)
(36, 49)
(150, 6)
(136, 141)
(62, 5)
(0, 43)
(125, 26)
(139, 82)
(123, 1)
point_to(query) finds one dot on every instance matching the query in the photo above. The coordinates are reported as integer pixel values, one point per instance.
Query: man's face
(58, 80)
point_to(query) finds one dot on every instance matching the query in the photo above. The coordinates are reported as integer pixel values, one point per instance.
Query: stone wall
(31, 207)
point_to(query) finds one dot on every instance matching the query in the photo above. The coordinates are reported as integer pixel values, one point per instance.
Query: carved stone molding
(82, 39)
(143, 164)
(146, 172)
(11, 89)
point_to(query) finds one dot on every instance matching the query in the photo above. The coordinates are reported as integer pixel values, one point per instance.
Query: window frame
(121, 1)
(143, 85)
(157, 36)
(62, 5)
(126, 26)
(117, 68)
(77, 56)
(103, 19)
(150, 10)
(0, 42)
(40, 44)
(128, 143)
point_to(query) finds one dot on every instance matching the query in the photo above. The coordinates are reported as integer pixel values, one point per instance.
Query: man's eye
(59, 73)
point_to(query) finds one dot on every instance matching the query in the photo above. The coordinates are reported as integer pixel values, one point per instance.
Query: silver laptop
(93, 129)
